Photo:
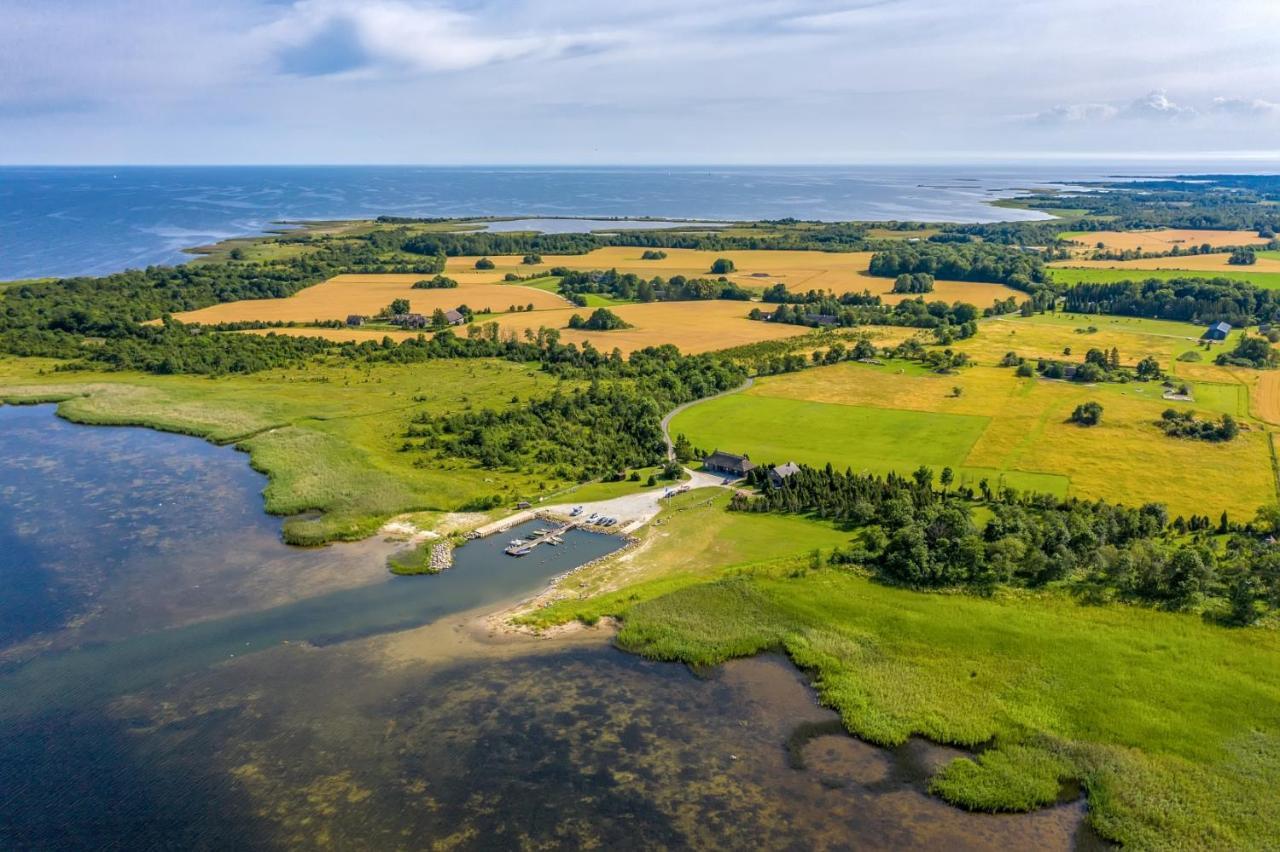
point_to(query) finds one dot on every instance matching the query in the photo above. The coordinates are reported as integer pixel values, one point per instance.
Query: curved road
(666, 421)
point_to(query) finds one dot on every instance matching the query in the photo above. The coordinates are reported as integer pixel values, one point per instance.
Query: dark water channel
(156, 692)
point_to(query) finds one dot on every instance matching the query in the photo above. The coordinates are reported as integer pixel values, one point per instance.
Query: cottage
(1217, 331)
(821, 320)
(779, 474)
(454, 317)
(355, 320)
(727, 464)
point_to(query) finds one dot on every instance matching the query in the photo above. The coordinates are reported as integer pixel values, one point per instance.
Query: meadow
(1073, 275)
(1170, 724)
(328, 437)
(1006, 429)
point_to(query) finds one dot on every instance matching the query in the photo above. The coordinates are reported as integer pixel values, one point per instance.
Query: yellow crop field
(1052, 339)
(691, 326)
(1164, 239)
(1216, 262)
(1126, 458)
(844, 272)
(369, 294)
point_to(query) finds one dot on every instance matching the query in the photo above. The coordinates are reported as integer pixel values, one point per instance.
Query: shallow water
(331, 720)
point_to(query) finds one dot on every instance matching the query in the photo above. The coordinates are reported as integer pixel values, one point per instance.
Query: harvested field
(800, 270)
(691, 326)
(369, 294)
(1050, 336)
(1194, 263)
(1163, 239)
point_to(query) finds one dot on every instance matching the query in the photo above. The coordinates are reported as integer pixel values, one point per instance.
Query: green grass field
(1072, 275)
(866, 439)
(1172, 725)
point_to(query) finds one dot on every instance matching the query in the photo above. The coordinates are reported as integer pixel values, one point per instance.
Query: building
(454, 317)
(409, 320)
(727, 464)
(779, 474)
(355, 320)
(821, 320)
(1217, 331)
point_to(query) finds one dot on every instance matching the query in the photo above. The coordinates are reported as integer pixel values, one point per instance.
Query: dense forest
(1198, 300)
(607, 426)
(1020, 270)
(916, 533)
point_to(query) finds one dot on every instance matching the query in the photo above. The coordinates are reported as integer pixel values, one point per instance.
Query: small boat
(517, 542)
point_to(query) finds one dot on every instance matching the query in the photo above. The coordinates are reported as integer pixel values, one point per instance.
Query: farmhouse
(454, 317)
(408, 320)
(1217, 331)
(727, 464)
(821, 320)
(355, 320)
(779, 474)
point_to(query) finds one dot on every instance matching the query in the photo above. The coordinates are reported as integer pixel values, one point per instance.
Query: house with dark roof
(821, 320)
(355, 320)
(779, 474)
(1217, 331)
(408, 320)
(727, 464)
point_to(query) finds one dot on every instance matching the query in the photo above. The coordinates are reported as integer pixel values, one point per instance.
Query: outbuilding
(778, 476)
(1217, 331)
(727, 464)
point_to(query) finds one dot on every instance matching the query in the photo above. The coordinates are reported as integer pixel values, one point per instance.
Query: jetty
(523, 547)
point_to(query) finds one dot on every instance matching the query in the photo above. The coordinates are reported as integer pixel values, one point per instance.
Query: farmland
(1162, 239)
(1003, 428)
(486, 289)
(1073, 275)
(342, 295)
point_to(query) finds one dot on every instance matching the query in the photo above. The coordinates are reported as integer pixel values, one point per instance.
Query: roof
(453, 316)
(1220, 326)
(728, 461)
(785, 470)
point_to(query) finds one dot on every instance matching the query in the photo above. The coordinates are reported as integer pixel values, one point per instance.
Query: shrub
(484, 263)
(1242, 257)
(653, 254)
(1087, 414)
(532, 259)
(722, 266)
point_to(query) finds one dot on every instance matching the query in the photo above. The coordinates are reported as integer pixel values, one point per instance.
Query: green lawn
(1172, 724)
(1071, 275)
(877, 440)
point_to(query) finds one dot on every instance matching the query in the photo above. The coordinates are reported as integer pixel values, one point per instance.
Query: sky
(636, 82)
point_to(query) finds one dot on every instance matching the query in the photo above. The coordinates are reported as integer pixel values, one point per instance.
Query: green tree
(484, 263)
(722, 266)
(398, 306)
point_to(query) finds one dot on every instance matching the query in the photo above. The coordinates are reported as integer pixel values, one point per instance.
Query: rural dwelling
(409, 320)
(727, 464)
(821, 320)
(779, 474)
(355, 320)
(454, 317)
(1217, 331)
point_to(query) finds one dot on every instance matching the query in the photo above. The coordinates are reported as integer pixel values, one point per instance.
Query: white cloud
(1156, 104)
(321, 37)
(1246, 107)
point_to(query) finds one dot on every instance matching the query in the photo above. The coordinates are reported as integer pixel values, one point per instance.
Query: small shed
(779, 474)
(728, 464)
(1217, 331)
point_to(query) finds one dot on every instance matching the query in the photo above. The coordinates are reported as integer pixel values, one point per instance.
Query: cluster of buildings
(738, 466)
(451, 317)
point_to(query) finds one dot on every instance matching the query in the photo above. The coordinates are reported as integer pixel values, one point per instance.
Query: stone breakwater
(441, 557)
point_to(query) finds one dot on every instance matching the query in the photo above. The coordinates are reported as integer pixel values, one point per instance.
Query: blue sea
(59, 221)
(94, 220)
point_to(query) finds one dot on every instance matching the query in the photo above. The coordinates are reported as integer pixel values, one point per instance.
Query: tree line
(575, 285)
(919, 533)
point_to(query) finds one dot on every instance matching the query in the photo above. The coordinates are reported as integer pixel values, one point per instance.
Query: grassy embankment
(1011, 430)
(327, 436)
(1171, 724)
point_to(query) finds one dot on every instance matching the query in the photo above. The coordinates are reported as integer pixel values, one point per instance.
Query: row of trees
(914, 532)
(575, 285)
(996, 264)
(1198, 300)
